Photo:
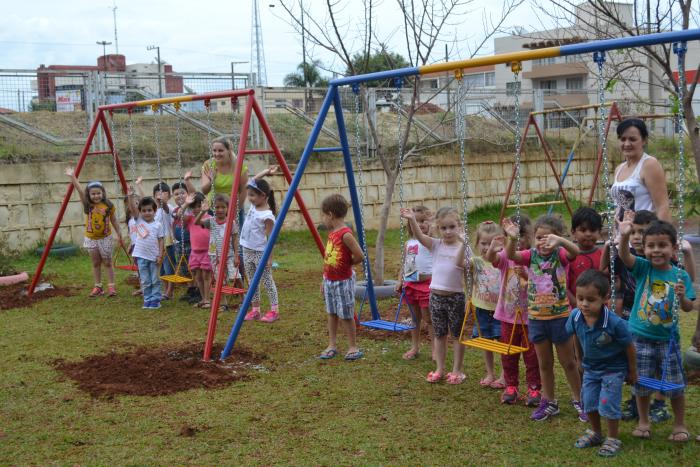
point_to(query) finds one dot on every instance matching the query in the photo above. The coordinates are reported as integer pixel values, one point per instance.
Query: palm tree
(307, 74)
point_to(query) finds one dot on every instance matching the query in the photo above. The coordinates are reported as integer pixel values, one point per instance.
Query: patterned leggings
(251, 260)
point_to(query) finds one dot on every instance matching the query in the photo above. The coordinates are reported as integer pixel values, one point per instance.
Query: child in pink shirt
(199, 263)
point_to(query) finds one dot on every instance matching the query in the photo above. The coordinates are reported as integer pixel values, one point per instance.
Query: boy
(181, 236)
(608, 354)
(652, 320)
(586, 225)
(338, 286)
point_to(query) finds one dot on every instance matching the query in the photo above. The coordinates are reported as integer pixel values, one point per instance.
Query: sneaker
(582, 416)
(545, 410)
(533, 397)
(146, 305)
(96, 292)
(252, 315)
(111, 291)
(510, 395)
(658, 412)
(629, 409)
(154, 305)
(270, 316)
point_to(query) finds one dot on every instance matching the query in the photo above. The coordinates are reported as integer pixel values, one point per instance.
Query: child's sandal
(610, 448)
(588, 439)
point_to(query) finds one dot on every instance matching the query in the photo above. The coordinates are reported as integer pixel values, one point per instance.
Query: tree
(604, 20)
(355, 43)
(307, 74)
(379, 61)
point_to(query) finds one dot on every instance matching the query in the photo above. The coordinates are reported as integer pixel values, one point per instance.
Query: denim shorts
(601, 391)
(169, 261)
(652, 356)
(490, 327)
(553, 330)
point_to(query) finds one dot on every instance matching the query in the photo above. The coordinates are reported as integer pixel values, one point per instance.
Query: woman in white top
(640, 181)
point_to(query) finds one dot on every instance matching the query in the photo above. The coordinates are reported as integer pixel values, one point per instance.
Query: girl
(99, 213)
(446, 290)
(484, 296)
(415, 276)
(548, 307)
(131, 203)
(148, 251)
(198, 260)
(256, 229)
(513, 295)
(217, 229)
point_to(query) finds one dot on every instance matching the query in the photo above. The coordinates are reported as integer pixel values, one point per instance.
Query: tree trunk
(385, 212)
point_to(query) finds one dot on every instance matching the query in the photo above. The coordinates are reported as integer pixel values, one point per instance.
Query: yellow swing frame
(177, 278)
(502, 348)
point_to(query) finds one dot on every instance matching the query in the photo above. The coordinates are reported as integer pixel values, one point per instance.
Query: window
(548, 84)
(512, 87)
(573, 58)
(474, 81)
(490, 78)
(574, 83)
(544, 61)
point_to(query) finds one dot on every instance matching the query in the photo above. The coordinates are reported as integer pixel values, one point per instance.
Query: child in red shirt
(586, 225)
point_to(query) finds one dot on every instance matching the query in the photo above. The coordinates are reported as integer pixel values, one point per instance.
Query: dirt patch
(15, 296)
(148, 371)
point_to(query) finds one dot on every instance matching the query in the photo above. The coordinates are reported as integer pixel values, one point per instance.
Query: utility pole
(114, 16)
(104, 45)
(303, 60)
(160, 84)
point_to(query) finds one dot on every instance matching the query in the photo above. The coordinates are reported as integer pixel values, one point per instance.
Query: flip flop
(328, 354)
(352, 356)
(456, 378)
(641, 433)
(497, 384)
(684, 436)
(433, 377)
(410, 355)
(486, 382)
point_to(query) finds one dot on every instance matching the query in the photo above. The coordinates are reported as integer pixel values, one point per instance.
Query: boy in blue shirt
(608, 354)
(653, 320)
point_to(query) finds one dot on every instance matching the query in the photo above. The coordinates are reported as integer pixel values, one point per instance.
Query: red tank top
(337, 262)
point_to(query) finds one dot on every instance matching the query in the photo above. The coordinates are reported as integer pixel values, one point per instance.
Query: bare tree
(649, 65)
(426, 24)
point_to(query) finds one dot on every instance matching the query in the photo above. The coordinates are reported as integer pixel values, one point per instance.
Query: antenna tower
(257, 50)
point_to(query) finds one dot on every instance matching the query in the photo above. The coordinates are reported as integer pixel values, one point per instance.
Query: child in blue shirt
(608, 354)
(653, 320)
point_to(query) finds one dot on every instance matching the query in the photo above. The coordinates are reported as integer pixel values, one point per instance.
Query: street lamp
(160, 85)
(104, 45)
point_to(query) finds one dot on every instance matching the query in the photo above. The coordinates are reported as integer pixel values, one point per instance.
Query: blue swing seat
(658, 385)
(385, 325)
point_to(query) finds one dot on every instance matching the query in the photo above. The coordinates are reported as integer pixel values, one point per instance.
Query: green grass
(375, 411)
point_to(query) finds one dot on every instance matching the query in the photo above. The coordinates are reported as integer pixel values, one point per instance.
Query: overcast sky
(200, 36)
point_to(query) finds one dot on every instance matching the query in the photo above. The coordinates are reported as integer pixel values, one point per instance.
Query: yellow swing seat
(178, 278)
(501, 348)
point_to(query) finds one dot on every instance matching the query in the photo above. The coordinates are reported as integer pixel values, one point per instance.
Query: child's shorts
(179, 253)
(199, 259)
(601, 391)
(340, 297)
(651, 356)
(418, 293)
(553, 330)
(490, 327)
(104, 246)
(167, 268)
(447, 311)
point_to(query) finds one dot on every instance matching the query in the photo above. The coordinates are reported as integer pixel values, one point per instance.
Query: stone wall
(31, 193)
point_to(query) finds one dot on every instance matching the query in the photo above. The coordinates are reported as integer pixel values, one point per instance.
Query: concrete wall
(31, 193)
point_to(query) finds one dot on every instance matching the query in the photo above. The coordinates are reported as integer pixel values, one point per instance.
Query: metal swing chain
(599, 59)
(402, 228)
(463, 189)
(360, 179)
(178, 143)
(516, 67)
(114, 128)
(132, 158)
(154, 108)
(680, 49)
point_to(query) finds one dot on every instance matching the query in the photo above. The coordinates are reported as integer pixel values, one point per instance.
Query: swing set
(332, 100)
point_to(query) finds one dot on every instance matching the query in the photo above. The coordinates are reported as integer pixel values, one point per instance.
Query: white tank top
(631, 194)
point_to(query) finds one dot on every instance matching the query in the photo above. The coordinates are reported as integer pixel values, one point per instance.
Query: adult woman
(640, 181)
(217, 172)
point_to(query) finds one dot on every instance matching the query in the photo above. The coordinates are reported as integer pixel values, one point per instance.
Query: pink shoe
(111, 291)
(270, 316)
(252, 315)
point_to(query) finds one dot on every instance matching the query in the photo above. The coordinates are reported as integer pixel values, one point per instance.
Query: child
(548, 307)
(586, 225)
(605, 344)
(513, 295)
(217, 229)
(148, 251)
(653, 319)
(415, 276)
(447, 300)
(200, 265)
(99, 213)
(486, 282)
(338, 286)
(131, 203)
(256, 229)
(181, 237)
